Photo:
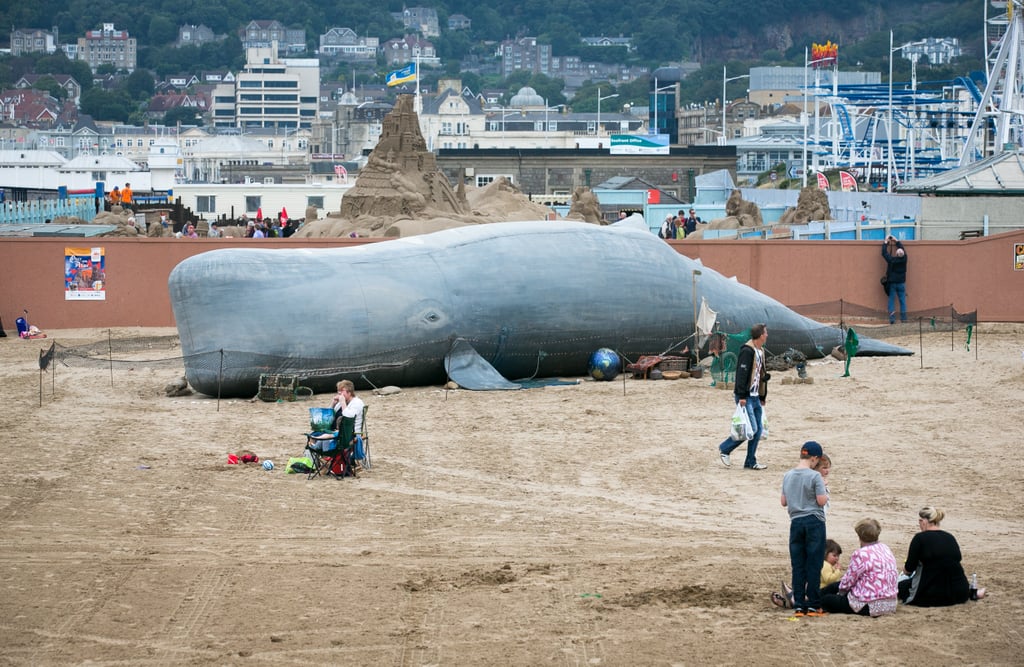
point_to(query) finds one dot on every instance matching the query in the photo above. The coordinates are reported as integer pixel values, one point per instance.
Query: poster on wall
(1018, 256)
(85, 274)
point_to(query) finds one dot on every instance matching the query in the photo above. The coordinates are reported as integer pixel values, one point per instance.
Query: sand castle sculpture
(401, 176)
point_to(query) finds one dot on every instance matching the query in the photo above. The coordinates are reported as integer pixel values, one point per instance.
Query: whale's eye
(432, 317)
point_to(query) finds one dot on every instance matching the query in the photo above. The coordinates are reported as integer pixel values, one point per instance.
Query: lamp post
(725, 80)
(656, 91)
(599, 98)
(890, 161)
(803, 116)
(547, 130)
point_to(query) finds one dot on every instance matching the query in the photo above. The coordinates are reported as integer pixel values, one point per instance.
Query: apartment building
(269, 92)
(108, 47)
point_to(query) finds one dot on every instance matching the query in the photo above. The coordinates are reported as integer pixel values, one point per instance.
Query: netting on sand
(164, 352)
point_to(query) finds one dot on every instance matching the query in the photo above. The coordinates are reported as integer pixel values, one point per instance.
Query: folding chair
(330, 449)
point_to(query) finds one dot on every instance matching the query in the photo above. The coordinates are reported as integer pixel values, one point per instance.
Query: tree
(50, 85)
(161, 30)
(183, 115)
(139, 85)
(58, 63)
(107, 104)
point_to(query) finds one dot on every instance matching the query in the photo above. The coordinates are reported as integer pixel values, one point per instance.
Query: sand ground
(590, 524)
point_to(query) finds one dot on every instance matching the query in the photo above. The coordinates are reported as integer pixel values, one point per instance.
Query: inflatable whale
(481, 305)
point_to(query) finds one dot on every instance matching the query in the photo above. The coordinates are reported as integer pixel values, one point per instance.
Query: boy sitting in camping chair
(333, 449)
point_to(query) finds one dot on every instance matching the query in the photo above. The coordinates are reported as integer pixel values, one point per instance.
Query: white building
(269, 93)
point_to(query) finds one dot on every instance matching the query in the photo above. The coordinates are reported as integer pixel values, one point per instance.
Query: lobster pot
(277, 388)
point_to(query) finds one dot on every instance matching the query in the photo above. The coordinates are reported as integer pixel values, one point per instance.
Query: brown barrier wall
(973, 274)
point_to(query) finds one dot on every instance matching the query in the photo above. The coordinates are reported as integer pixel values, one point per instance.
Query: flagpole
(418, 106)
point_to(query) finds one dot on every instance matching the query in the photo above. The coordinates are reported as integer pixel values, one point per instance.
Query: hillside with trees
(740, 34)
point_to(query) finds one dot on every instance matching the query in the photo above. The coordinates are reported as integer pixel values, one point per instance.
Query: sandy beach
(585, 524)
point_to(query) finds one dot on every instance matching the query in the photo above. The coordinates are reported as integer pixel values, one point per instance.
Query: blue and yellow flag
(400, 76)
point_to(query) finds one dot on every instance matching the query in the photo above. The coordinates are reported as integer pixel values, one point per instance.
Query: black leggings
(835, 602)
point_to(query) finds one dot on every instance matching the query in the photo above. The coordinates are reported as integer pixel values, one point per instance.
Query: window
(317, 201)
(252, 203)
(482, 179)
(206, 204)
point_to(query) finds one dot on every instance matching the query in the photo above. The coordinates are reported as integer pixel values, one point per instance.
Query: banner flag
(847, 182)
(400, 76)
(822, 181)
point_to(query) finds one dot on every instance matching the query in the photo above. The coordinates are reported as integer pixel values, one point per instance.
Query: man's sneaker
(816, 612)
(725, 460)
(757, 466)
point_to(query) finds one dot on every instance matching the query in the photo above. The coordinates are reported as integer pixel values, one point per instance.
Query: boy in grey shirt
(804, 496)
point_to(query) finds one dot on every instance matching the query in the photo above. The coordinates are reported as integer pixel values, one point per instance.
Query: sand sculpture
(401, 192)
(811, 204)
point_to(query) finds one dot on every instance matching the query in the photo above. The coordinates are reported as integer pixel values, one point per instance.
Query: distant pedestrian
(895, 256)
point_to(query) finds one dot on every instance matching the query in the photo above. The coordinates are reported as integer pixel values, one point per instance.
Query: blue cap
(810, 448)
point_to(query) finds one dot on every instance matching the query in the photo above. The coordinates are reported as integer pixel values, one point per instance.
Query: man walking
(749, 390)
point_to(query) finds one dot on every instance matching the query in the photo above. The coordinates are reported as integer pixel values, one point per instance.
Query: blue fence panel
(41, 210)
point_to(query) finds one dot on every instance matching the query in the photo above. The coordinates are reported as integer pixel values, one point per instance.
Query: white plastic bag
(764, 423)
(741, 428)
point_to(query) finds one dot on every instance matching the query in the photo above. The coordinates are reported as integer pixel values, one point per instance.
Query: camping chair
(324, 443)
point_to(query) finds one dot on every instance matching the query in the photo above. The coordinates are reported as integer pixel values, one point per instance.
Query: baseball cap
(810, 448)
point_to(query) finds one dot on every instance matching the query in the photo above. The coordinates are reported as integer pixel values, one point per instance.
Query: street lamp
(725, 80)
(656, 91)
(599, 98)
(803, 116)
(547, 129)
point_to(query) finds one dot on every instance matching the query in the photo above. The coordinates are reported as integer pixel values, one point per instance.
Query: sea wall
(973, 274)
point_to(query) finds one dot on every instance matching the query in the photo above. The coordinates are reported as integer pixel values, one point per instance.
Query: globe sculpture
(604, 364)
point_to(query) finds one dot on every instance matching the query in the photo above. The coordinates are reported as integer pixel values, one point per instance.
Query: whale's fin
(471, 371)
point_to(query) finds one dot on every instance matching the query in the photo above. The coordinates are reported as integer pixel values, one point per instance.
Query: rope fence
(164, 352)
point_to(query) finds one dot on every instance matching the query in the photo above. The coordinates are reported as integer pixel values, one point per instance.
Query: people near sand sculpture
(750, 390)
(288, 229)
(258, 232)
(668, 228)
(115, 197)
(214, 232)
(127, 196)
(895, 256)
(935, 577)
(250, 229)
(869, 586)
(691, 222)
(803, 496)
(190, 232)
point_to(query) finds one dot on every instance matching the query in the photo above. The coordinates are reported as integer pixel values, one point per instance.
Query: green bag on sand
(299, 464)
